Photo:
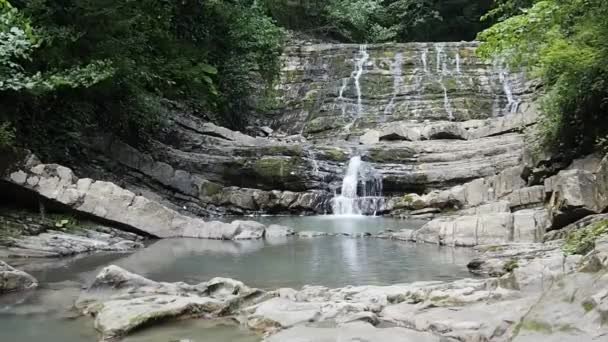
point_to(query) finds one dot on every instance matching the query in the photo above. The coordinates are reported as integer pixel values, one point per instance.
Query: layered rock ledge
(110, 202)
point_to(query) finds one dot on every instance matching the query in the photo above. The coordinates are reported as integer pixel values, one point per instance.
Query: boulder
(467, 231)
(575, 195)
(12, 280)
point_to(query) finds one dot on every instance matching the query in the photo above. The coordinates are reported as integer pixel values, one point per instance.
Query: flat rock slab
(118, 317)
(354, 332)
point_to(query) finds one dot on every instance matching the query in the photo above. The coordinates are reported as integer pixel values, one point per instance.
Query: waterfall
(458, 71)
(341, 95)
(446, 101)
(424, 61)
(442, 69)
(512, 103)
(360, 178)
(359, 70)
(396, 71)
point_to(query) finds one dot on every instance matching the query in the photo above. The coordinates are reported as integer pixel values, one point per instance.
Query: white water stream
(360, 179)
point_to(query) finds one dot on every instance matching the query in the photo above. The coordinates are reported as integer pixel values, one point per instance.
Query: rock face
(110, 202)
(14, 280)
(330, 89)
(576, 194)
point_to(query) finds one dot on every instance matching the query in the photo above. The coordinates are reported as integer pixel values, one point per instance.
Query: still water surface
(45, 315)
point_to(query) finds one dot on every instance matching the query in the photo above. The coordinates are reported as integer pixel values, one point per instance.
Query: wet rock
(310, 234)
(278, 231)
(248, 230)
(12, 280)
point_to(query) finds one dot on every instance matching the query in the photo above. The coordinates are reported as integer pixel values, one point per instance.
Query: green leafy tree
(563, 44)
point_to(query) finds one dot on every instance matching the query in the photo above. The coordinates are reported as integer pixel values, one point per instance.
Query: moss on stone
(494, 248)
(276, 167)
(537, 326)
(582, 241)
(439, 298)
(390, 155)
(588, 306)
(284, 150)
(335, 154)
(209, 189)
(510, 265)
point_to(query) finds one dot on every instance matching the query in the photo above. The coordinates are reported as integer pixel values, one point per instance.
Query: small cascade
(442, 70)
(458, 71)
(359, 70)
(397, 72)
(361, 191)
(341, 99)
(446, 101)
(425, 62)
(512, 103)
(313, 160)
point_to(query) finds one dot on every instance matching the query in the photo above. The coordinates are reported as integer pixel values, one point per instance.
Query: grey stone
(12, 280)
(278, 231)
(575, 195)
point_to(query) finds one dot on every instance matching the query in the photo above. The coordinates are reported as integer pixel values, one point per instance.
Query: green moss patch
(582, 241)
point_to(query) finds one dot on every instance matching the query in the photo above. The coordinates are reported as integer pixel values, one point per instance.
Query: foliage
(7, 134)
(563, 44)
(582, 241)
(121, 66)
(18, 40)
(362, 21)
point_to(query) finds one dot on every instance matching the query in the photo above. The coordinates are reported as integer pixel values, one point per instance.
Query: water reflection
(293, 262)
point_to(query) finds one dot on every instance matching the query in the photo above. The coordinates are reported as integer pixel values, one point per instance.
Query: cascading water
(359, 69)
(442, 69)
(512, 103)
(396, 70)
(341, 99)
(360, 179)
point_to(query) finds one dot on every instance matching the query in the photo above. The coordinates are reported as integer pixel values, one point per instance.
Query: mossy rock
(390, 155)
(537, 326)
(335, 154)
(323, 123)
(207, 189)
(510, 265)
(272, 168)
(582, 241)
(284, 150)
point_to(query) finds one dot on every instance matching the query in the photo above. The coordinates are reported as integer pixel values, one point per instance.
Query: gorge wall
(426, 117)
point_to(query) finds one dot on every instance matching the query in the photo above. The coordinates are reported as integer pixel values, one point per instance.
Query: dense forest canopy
(70, 66)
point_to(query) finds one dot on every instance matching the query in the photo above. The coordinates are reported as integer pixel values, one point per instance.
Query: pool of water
(45, 314)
